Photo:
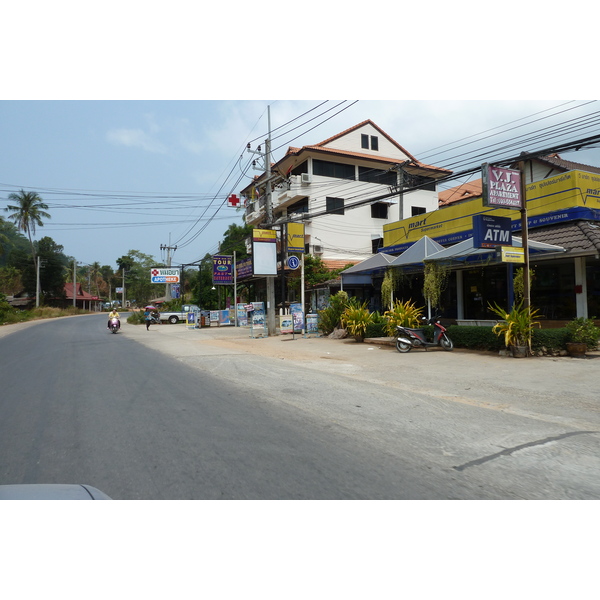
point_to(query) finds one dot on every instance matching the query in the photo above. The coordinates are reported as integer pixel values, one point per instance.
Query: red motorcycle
(114, 325)
(408, 338)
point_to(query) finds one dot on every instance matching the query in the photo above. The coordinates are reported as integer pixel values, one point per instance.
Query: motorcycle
(114, 325)
(408, 338)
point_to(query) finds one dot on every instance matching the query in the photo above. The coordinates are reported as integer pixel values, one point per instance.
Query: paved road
(213, 413)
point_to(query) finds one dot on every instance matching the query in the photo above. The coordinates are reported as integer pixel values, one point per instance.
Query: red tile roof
(464, 191)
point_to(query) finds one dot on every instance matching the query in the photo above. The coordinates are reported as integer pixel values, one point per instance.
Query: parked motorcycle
(408, 338)
(114, 325)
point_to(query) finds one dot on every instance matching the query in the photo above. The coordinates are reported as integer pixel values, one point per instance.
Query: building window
(335, 206)
(374, 142)
(298, 207)
(417, 210)
(379, 210)
(303, 168)
(364, 141)
(332, 169)
(376, 244)
(377, 176)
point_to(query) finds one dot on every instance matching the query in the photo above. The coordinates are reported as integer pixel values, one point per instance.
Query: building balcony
(289, 191)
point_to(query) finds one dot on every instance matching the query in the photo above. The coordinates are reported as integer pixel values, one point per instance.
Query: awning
(421, 250)
(465, 251)
(374, 263)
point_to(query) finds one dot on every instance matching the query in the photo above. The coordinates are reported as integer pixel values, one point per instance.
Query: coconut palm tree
(27, 213)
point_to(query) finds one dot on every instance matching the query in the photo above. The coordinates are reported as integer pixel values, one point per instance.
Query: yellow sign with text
(510, 254)
(295, 237)
(568, 196)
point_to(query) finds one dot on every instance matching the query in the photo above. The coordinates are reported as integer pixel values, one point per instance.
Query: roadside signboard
(161, 275)
(490, 231)
(501, 187)
(511, 254)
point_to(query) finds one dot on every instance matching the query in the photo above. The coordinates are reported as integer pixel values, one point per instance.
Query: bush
(330, 317)
(475, 338)
(583, 330)
(376, 330)
(405, 314)
(551, 339)
(136, 318)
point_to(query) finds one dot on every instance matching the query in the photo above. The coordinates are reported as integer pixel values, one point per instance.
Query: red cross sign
(233, 200)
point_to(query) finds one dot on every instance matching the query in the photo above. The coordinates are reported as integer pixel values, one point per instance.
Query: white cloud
(135, 138)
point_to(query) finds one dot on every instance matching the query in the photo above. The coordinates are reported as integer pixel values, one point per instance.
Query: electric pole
(271, 307)
(168, 249)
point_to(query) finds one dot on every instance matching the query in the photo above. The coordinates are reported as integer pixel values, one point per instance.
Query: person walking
(147, 317)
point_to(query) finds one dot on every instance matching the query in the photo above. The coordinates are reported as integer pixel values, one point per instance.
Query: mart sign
(159, 275)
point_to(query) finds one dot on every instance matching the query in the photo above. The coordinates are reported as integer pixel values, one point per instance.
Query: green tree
(27, 213)
(54, 269)
(235, 240)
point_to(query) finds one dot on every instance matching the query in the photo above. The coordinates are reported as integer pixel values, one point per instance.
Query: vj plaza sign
(159, 275)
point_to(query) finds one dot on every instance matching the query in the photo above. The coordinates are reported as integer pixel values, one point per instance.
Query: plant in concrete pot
(355, 318)
(582, 336)
(516, 326)
(405, 314)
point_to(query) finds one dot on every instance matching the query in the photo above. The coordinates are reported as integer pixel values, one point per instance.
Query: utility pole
(271, 308)
(74, 283)
(168, 249)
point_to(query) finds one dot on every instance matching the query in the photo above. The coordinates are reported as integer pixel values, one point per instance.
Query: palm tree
(28, 213)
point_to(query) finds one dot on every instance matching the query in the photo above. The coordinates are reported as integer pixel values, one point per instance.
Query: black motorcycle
(408, 338)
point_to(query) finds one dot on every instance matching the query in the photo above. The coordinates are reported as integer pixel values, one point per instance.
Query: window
(377, 176)
(376, 244)
(335, 206)
(374, 142)
(303, 168)
(379, 210)
(332, 169)
(417, 210)
(298, 207)
(364, 141)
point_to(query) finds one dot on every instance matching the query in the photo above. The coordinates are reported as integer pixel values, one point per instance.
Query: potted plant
(582, 335)
(405, 314)
(355, 318)
(516, 326)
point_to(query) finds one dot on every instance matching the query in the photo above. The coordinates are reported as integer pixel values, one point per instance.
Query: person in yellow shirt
(113, 314)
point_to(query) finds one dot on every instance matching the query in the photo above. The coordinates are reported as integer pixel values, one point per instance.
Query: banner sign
(570, 196)
(298, 316)
(501, 187)
(244, 268)
(264, 252)
(295, 237)
(490, 231)
(222, 270)
(160, 275)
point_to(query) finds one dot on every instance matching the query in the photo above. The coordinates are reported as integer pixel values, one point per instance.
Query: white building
(334, 186)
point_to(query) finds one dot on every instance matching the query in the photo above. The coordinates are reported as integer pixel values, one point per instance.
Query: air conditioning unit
(306, 178)
(317, 249)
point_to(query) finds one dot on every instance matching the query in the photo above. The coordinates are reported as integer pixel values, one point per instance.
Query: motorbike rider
(113, 314)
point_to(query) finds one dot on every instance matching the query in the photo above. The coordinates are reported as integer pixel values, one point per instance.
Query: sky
(122, 175)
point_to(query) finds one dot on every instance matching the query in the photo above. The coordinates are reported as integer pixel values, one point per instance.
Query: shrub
(583, 330)
(517, 325)
(355, 318)
(405, 314)
(136, 318)
(474, 337)
(330, 317)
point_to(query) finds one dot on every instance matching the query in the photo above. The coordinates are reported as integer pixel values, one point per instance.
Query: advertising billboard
(295, 237)
(501, 187)
(162, 275)
(222, 270)
(264, 252)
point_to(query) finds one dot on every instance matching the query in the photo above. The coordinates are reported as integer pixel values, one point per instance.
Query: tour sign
(159, 275)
